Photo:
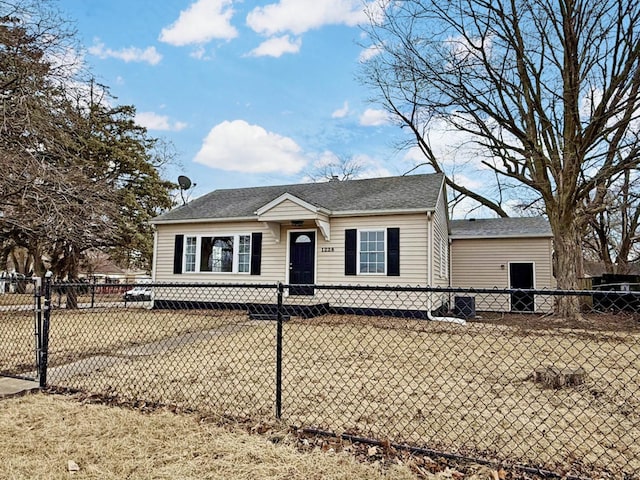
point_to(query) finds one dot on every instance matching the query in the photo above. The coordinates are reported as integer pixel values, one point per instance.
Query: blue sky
(250, 92)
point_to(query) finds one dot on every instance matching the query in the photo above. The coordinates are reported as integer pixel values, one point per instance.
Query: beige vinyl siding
(329, 260)
(478, 263)
(329, 263)
(440, 250)
(272, 267)
(286, 211)
(413, 248)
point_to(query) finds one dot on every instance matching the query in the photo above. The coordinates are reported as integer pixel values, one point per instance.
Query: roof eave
(365, 213)
(495, 236)
(203, 220)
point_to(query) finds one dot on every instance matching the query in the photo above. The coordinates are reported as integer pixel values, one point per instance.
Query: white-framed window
(190, 254)
(218, 254)
(372, 252)
(244, 254)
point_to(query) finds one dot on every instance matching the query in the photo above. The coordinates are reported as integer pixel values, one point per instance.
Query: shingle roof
(501, 227)
(411, 192)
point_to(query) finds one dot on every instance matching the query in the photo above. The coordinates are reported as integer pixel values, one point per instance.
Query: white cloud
(374, 118)
(132, 54)
(341, 112)
(370, 167)
(370, 52)
(276, 47)
(202, 22)
(238, 146)
(154, 121)
(299, 16)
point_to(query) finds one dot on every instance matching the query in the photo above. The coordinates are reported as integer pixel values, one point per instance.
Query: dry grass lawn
(83, 333)
(41, 433)
(460, 389)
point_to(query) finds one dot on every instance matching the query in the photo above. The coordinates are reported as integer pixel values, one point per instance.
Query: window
(190, 255)
(244, 254)
(372, 251)
(219, 254)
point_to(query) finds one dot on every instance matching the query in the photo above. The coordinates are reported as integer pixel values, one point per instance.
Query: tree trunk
(71, 268)
(568, 257)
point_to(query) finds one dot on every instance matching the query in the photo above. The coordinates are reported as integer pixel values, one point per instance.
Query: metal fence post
(93, 291)
(37, 293)
(279, 354)
(44, 353)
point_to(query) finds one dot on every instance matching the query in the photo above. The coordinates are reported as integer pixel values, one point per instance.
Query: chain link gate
(21, 328)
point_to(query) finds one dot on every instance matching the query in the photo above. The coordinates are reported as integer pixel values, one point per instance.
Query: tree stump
(554, 377)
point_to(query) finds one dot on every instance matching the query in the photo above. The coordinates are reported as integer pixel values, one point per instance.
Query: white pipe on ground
(456, 320)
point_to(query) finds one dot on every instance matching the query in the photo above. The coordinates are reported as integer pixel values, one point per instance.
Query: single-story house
(379, 231)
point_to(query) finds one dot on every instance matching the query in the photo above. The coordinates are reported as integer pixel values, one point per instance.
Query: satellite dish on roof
(184, 182)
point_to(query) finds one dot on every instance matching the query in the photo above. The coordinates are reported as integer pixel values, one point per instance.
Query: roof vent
(334, 178)
(472, 219)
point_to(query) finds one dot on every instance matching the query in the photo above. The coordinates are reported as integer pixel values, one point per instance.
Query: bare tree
(78, 172)
(613, 234)
(335, 168)
(547, 91)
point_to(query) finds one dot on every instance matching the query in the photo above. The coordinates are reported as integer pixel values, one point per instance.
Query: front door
(521, 275)
(302, 249)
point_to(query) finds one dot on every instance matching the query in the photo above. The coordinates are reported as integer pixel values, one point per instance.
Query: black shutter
(350, 251)
(177, 254)
(256, 252)
(393, 252)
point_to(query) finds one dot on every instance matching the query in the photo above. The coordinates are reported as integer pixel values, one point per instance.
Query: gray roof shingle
(501, 227)
(374, 194)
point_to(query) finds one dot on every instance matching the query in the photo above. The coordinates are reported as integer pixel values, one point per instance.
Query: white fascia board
(485, 237)
(204, 220)
(298, 201)
(365, 213)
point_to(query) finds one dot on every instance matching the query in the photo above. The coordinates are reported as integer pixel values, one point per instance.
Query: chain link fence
(483, 374)
(20, 309)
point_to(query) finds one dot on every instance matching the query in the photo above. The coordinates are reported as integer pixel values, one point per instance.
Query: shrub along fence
(513, 383)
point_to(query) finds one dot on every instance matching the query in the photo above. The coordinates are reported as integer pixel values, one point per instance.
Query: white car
(138, 294)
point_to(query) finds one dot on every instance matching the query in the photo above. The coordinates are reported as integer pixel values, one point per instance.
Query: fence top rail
(427, 289)
(167, 285)
(358, 287)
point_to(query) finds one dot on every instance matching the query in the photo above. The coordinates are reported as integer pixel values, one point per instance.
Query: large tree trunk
(72, 276)
(568, 260)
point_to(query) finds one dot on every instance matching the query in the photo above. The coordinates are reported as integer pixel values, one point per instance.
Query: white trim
(203, 220)
(372, 213)
(154, 261)
(495, 236)
(288, 253)
(274, 229)
(325, 228)
(344, 213)
(386, 249)
(430, 250)
(287, 196)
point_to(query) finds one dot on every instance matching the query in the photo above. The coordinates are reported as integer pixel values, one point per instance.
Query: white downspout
(455, 320)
